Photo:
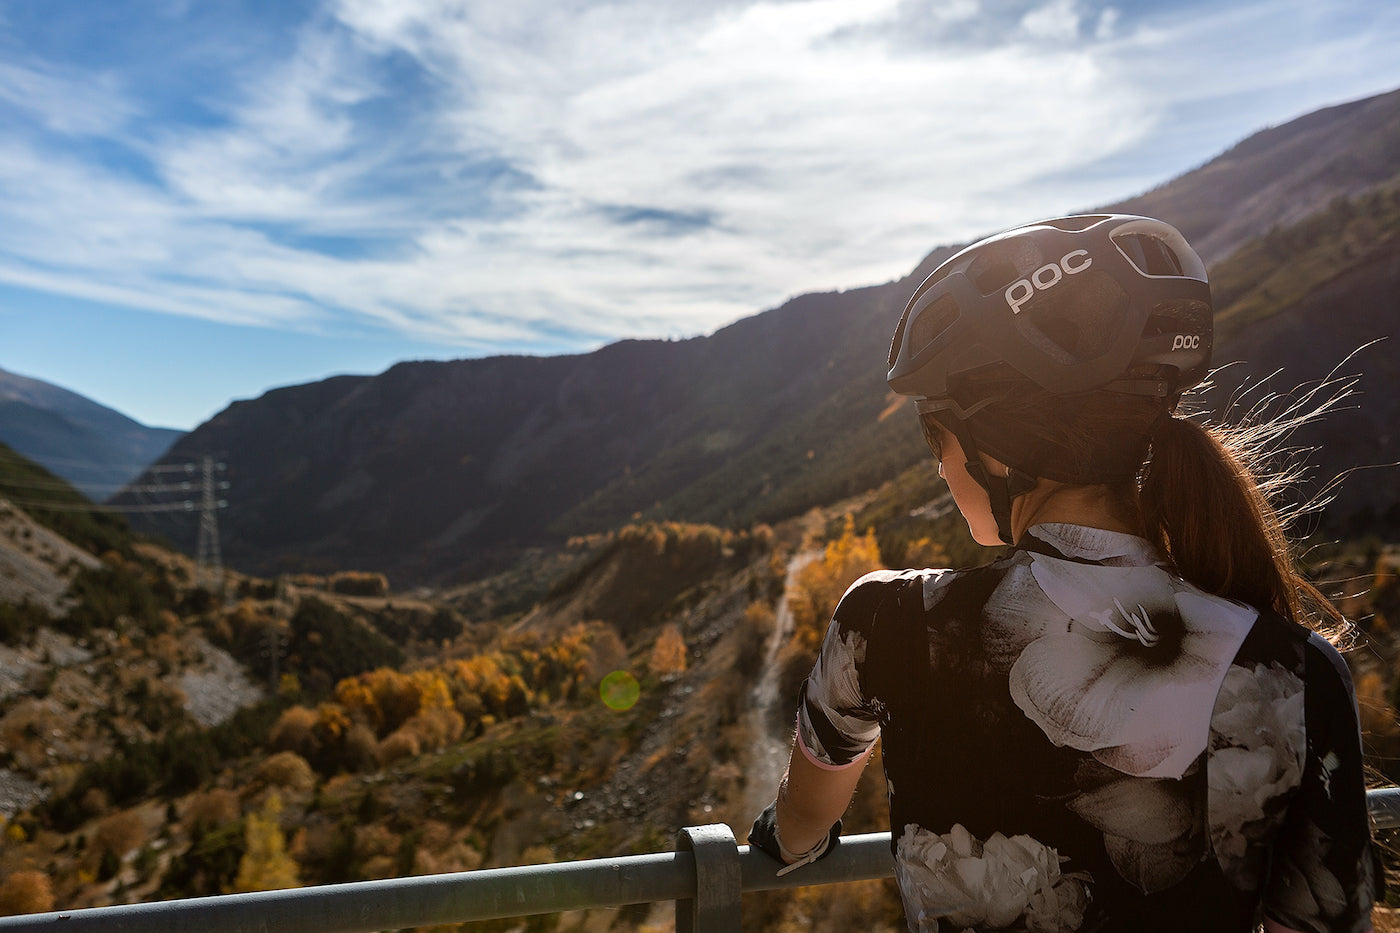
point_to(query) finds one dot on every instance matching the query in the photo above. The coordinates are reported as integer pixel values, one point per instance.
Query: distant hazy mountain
(96, 449)
(436, 470)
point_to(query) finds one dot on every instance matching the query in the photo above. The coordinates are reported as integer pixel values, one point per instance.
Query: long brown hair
(1211, 497)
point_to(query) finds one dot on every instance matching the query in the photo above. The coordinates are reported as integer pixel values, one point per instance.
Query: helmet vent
(932, 321)
(1177, 317)
(1149, 254)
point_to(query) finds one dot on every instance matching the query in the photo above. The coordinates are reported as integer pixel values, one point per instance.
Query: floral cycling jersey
(1076, 739)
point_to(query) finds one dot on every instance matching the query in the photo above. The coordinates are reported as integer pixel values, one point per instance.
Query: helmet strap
(1001, 490)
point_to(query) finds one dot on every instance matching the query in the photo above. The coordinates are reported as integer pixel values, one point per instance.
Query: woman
(1121, 725)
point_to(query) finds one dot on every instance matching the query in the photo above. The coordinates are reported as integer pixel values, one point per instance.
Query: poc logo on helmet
(1186, 342)
(1047, 276)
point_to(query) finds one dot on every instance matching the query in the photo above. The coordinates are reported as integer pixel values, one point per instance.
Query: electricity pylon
(209, 564)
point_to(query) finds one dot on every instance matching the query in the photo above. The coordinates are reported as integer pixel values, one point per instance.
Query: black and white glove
(764, 835)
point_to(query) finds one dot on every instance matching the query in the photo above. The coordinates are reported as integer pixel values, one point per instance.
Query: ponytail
(1207, 501)
(1209, 496)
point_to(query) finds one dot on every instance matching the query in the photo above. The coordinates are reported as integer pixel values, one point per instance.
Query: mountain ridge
(96, 448)
(445, 471)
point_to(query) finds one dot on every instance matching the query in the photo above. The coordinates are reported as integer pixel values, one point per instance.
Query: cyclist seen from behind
(1130, 722)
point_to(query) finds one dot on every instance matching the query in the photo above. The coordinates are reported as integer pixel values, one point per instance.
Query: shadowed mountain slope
(441, 471)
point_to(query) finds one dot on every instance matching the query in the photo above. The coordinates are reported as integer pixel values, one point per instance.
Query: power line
(188, 505)
(189, 486)
(209, 560)
(190, 468)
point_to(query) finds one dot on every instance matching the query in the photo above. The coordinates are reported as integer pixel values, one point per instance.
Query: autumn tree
(926, 552)
(820, 585)
(813, 596)
(669, 653)
(265, 865)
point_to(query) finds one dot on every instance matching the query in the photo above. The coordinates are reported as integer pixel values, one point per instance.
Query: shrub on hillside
(294, 731)
(176, 763)
(103, 595)
(212, 808)
(18, 624)
(155, 704)
(208, 866)
(753, 636)
(385, 699)
(403, 625)
(395, 746)
(326, 737)
(286, 770)
(436, 727)
(377, 850)
(253, 588)
(26, 892)
(94, 802)
(120, 833)
(359, 583)
(356, 751)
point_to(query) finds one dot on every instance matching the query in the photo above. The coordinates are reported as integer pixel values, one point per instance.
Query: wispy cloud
(69, 103)
(504, 176)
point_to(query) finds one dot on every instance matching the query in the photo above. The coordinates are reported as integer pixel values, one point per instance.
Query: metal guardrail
(705, 876)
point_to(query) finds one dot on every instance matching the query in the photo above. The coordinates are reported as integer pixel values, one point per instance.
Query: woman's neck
(1090, 506)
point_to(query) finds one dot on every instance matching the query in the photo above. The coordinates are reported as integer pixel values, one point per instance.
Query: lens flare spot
(620, 690)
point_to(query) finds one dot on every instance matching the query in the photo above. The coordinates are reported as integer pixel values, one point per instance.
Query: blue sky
(201, 201)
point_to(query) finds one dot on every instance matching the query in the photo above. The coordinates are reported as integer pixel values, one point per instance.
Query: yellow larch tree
(821, 584)
(266, 865)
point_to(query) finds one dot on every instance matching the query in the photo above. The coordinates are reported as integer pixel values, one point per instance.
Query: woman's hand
(811, 799)
(764, 835)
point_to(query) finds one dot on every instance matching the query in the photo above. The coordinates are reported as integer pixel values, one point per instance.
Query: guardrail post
(718, 881)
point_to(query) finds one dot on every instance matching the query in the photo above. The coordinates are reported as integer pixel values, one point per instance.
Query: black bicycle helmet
(1078, 304)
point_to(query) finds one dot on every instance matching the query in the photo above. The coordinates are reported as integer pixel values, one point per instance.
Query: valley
(514, 610)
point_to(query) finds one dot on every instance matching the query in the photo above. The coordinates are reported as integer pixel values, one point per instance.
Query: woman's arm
(812, 797)
(836, 728)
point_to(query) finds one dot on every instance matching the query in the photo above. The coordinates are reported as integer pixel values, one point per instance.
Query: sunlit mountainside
(161, 742)
(521, 609)
(156, 738)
